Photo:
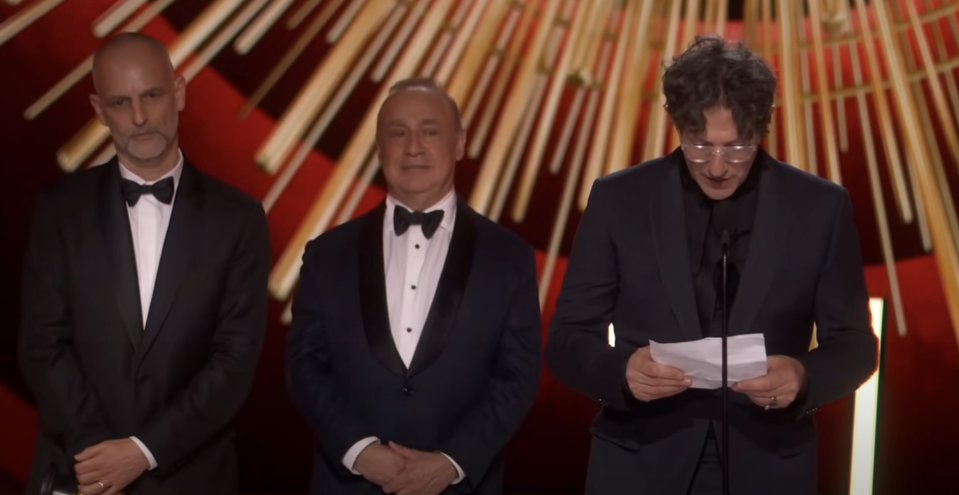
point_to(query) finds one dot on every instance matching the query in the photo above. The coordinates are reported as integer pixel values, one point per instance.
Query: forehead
(132, 68)
(416, 106)
(719, 127)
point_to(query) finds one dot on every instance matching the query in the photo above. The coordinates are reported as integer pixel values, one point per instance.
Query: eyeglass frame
(720, 150)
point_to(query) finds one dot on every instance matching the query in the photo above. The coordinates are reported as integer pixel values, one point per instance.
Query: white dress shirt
(149, 220)
(413, 265)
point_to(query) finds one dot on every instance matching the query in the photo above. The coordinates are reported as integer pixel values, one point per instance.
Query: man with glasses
(646, 258)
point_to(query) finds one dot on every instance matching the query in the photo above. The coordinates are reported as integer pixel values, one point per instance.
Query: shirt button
(407, 391)
(417, 246)
(409, 329)
(413, 287)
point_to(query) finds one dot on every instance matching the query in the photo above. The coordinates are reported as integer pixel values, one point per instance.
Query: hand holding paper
(701, 360)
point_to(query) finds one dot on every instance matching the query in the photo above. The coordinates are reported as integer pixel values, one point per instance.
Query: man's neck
(153, 169)
(420, 202)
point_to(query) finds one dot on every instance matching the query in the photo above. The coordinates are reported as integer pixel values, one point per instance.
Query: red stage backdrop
(916, 434)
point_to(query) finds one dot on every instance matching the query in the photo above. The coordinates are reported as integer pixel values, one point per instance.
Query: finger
(88, 453)
(404, 451)
(662, 371)
(90, 478)
(762, 385)
(395, 484)
(91, 489)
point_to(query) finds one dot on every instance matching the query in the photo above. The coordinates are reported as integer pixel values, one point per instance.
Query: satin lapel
(668, 219)
(765, 248)
(376, 318)
(449, 291)
(182, 234)
(118, 242)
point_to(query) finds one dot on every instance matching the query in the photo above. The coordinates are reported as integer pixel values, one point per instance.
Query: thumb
(404, 451)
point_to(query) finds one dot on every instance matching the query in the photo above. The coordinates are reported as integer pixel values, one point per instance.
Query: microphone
(722, 223)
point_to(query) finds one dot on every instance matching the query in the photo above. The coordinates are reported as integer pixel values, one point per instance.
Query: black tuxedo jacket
(176, 384)
(473, 376)
(630, 266)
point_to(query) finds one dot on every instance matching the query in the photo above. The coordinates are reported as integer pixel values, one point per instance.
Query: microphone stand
(725, 239)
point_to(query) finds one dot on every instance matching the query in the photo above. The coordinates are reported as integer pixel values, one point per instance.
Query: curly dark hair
(715, 73)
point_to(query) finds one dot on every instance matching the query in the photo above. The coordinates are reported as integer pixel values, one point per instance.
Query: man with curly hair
(647, 258)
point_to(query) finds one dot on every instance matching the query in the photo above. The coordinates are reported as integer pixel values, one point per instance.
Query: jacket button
(407, 391)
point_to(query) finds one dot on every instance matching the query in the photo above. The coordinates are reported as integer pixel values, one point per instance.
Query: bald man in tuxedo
(144, 300)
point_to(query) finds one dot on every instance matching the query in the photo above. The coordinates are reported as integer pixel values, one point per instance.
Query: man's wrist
(151, 461)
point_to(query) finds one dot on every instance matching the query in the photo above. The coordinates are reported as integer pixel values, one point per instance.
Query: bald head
(138, 96)
(126, 48)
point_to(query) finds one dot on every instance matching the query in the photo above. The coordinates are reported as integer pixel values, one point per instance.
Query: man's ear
(95, 103)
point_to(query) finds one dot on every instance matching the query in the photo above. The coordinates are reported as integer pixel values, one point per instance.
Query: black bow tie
(429, 222)
(162, 190)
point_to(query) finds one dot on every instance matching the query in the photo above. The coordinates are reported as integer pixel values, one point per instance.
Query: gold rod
(306, 8)
(946, 123)
(343, 22)
(497, 56)
(947, 254)
(510, 119)
(792, 130)
(812, 160)
(828, 127)
(24, 18)
(889, 135)
(329, 112)
(463, 35)
(255, 31)
(226, 34)
(769, 50)
(602, 137)
(878, 199)
(289, 57)
(480, 46)
(80, 71)
(631, 95)
(116, 14)
(507, 66)
(398, 41)
(319, 87)
(656, 132)
(560, 76)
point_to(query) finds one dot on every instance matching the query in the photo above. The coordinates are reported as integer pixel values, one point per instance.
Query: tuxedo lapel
(765, 246)
(449, 291)
(178, 247)
(118, 242)
(376, 318)
(672, 250)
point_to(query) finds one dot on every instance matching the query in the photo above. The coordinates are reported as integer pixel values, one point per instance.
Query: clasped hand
(108, 467)
(403, 471)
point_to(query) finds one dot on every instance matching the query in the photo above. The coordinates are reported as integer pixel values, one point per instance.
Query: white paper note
(702, 360)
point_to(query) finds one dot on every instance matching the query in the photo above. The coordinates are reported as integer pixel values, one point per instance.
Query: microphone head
(723, 221)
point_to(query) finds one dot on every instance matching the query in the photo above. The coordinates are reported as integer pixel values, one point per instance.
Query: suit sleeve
(577, 348)
(309, 376)
(484, 434)
(214, 396)
(70, 412)
(848, 349)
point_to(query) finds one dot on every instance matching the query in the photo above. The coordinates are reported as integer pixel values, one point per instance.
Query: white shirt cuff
(459, 471)
(146, 453)
(350, 458)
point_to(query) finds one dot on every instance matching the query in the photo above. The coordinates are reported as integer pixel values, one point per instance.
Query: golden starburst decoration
(511, 64)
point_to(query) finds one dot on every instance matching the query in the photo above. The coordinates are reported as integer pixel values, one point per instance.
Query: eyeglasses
(703, 153)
